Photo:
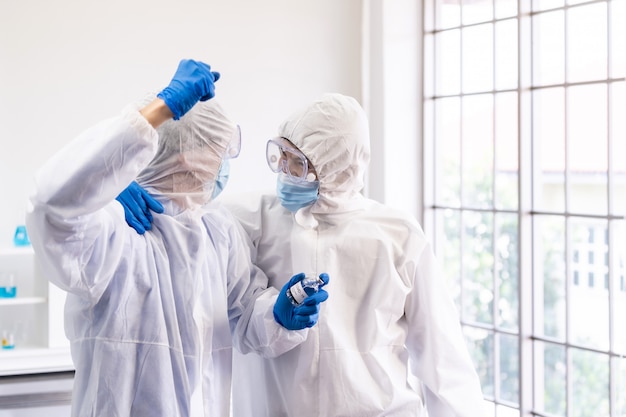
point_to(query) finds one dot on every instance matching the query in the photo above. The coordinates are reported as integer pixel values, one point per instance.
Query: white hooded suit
(388, 338)
(151, 318)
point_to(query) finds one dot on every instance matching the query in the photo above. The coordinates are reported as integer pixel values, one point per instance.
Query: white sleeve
(251, 306)
(72, 213)
(91, 170)
(439, 354)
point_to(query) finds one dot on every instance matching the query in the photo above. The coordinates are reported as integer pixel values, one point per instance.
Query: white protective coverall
(150, 317)
(388, 319)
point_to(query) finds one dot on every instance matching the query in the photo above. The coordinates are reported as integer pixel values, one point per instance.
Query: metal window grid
(526, 212)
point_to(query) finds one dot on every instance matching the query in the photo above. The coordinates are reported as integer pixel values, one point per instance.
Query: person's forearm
(90, 170)
(156, 112)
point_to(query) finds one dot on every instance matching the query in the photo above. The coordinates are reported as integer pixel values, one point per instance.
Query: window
(524, 140)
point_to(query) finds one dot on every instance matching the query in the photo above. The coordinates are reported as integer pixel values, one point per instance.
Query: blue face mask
(295, 195)
(222, 178)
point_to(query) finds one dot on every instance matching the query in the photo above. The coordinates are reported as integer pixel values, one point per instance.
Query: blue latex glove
(193, 81)
(138, 205)
(306, 314)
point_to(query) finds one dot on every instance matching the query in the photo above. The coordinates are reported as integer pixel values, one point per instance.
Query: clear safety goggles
(282, 156)
(234, 146)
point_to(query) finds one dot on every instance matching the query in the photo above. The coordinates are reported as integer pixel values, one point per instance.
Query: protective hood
(189, 155)
(333, 133)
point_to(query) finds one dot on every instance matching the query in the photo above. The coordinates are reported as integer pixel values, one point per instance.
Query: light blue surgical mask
(295, 195)
(222, 178)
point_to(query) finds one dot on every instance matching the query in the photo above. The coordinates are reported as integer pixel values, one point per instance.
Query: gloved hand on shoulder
(304, 315)
(138, 205)
(193, 81)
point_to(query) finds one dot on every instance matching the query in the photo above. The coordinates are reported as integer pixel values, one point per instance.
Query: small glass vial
(7, 285)
(8, 340)
(302, 289)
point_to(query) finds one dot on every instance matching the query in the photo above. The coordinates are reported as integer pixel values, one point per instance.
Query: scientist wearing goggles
(297, 184)
(388, 341)
(152, 319)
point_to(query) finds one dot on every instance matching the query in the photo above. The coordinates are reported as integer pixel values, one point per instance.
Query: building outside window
(525, 140)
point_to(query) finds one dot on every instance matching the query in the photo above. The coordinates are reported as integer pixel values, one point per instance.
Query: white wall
(392, 97)
(66, 64)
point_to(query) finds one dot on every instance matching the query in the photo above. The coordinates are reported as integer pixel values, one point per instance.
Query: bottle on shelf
(20, 239)
(7, 285)
(8, 339)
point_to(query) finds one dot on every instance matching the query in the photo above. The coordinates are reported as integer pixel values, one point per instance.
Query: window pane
(550, 273)
(619, 280)
(506, 8)
(507, 174)
(480, 345)
(621, 388)
(546, 4)
(429, 70)
(587, 142)
(506, 54)
(448, 151)
(477, 65)
(548, 48)
(570, 2)
(590, 383)
(588, 158)
(589, 300)
(618, 141)
(587, 116)
(507, 267)
(549, 156)
(509, 368)
(450, 253)
(448, 62)
(429, 17)
(477, 11)
(618, 38)
(478, 151)
(477, 266)
(448, 13)
(551, 382)
(586, 41)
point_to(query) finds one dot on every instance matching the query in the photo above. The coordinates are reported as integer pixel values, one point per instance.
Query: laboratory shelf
(33, 320)
(16, 250)
(34, 360)
(22, 301)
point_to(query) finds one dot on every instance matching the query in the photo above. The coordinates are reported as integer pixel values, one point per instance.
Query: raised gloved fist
(138, 205)
(305, 314)
(193, 81)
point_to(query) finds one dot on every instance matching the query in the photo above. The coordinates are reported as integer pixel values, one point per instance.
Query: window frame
(528, 298)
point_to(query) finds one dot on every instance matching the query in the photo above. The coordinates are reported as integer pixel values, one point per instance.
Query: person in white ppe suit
(388, 342)
(152, 318)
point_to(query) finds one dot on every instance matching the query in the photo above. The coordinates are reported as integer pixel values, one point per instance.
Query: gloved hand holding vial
(298, 304)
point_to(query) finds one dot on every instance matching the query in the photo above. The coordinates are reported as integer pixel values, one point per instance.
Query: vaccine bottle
(302, 289)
